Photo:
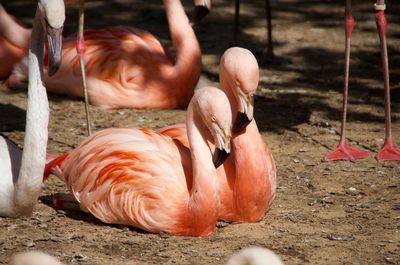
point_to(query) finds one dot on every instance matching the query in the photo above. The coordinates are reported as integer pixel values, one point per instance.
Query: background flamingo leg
(343, 151)
(80, 48)
(388, 150)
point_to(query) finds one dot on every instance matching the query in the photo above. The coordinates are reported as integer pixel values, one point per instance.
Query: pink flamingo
(135, 176)
(129, 68)
(14, 42)
(21, 172)
(248, 178)
(388, 150)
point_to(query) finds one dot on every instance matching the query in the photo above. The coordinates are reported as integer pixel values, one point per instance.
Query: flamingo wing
(128, 176)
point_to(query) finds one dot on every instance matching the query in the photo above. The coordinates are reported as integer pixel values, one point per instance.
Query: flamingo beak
(241, 122)
(222, 148)
(201, 9)
(54, 41)
(245, 113)
(219, 157)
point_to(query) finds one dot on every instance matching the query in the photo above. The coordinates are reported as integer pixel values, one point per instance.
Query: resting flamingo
(136, 177)
(21, 172)
(388, 151)
(14, 42)
(129, 68)
(248, 178)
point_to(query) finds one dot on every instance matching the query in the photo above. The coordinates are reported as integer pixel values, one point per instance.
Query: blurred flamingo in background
(136, 177)
(248, 178)
(388, 151)
(14, 42)
(21, 172)
(129, 68)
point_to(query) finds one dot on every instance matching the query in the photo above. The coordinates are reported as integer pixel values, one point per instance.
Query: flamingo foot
(63, 201)
(345, 152)
(388, 152)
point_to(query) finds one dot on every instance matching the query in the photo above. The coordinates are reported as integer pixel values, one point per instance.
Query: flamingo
(388, 151)
(21, 172)
(14, 41)
(129, 68)
(136, 177)
(248, 178)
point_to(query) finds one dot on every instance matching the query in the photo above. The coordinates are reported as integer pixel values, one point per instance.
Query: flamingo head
(239, 76)
(214, 108)
(53, 16)
(200, 10)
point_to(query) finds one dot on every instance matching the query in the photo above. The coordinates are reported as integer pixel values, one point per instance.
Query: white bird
(21, 172)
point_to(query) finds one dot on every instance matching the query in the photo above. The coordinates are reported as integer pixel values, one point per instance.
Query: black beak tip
(199, 12)
(240, 123)
(219, 157)
(53, 68)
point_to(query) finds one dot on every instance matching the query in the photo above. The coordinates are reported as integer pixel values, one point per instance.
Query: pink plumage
(136, 176)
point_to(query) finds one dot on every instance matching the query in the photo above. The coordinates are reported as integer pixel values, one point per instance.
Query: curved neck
(30, 177)
(204, 195)
(188, 54)
(12, 31)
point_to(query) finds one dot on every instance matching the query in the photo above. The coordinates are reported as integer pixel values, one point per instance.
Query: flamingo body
(125, 68)
(116, 165)
(129, 68)
(136, 176)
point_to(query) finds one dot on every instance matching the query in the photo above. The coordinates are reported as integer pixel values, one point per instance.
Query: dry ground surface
(324, 213)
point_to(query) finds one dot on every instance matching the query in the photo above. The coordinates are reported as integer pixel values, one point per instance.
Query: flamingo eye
(213, 118)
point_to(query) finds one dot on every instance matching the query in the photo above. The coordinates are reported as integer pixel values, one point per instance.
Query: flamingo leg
(65, 201)
(343, 151)
(236, 22)
(270, 49)
(80, 48)
(388, 150)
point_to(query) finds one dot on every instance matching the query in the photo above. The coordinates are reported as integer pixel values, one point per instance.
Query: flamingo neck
(186, 71)
(204, 195)
(12, 31)
(29, 182)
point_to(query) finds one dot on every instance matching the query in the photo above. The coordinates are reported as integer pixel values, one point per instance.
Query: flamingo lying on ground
(129, 68)
(388, 150)
(21, 172)
(136, 177)
(14, 41)
(247, 256)
(248, 178)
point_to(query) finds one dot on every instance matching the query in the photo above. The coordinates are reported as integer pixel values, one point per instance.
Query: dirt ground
(324, 213)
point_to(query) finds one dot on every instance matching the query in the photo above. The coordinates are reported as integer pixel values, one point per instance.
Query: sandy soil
(324, 213)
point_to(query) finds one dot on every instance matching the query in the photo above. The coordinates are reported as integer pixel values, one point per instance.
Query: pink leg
(388, 150)
(343, 151)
